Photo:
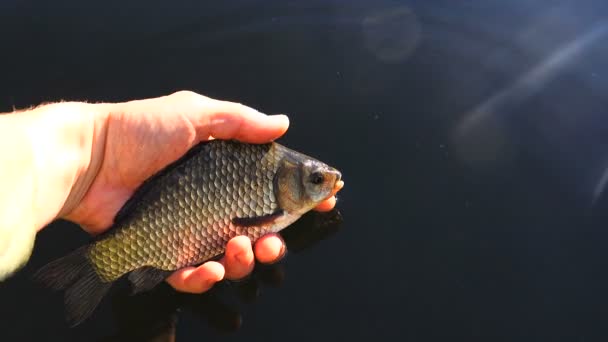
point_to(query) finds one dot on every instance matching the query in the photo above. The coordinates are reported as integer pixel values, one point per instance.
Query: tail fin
(83, 287)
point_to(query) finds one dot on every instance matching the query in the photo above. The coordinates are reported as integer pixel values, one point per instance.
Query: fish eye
(317, 178)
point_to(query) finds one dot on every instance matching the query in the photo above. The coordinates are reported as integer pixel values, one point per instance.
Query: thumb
(230, 120)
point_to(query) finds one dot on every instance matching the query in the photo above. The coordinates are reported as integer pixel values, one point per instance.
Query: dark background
(472, 136)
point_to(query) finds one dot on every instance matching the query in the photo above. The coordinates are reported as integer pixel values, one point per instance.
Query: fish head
(319, 180)
(303, 184)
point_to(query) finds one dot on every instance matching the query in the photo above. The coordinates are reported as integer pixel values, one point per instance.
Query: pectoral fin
(258, 220)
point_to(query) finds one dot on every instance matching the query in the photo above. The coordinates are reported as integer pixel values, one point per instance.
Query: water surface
(472, 136)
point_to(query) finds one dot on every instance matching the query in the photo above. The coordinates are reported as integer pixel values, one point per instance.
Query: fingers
(269, 248)
(197, 279)
(326, 205)
(239, 259)
(237, 263)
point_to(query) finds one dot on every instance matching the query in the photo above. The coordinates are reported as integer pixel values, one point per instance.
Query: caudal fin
(83, 288)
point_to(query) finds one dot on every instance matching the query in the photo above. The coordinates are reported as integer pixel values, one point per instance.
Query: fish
(185, 214)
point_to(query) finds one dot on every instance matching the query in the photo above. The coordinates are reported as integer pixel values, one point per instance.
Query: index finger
(326, 205)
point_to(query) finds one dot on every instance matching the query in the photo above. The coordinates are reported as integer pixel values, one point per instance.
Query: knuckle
(184, 93)
(188, 95)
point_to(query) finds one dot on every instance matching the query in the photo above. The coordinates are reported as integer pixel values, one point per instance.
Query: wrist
(64, 140)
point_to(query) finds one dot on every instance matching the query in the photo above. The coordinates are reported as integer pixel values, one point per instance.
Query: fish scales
(192, 210)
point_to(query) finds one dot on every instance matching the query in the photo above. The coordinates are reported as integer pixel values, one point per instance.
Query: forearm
(53, 151)
(44, 153)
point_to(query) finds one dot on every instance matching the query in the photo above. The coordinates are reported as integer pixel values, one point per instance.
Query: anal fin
(147, 277)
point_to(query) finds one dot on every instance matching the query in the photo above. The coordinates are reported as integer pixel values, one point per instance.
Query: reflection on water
(391, 33)
(154, 315)
(455, 234)
(480, 134)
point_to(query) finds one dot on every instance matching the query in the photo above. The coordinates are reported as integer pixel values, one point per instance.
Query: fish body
(187, 213)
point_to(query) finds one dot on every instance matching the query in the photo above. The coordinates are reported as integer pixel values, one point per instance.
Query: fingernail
(282, 117)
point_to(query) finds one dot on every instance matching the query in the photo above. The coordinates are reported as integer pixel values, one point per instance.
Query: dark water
(472, 136)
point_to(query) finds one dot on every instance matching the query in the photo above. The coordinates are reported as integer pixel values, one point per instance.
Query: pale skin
(82, 161)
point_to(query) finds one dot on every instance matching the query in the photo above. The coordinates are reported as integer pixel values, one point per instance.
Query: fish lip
(338, 178)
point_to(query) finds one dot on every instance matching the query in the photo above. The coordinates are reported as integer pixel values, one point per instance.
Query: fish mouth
(338, 183)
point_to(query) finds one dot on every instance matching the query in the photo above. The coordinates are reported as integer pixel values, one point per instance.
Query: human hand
(134, 140)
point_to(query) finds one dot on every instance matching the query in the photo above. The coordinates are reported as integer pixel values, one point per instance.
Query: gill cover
(288, 189)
